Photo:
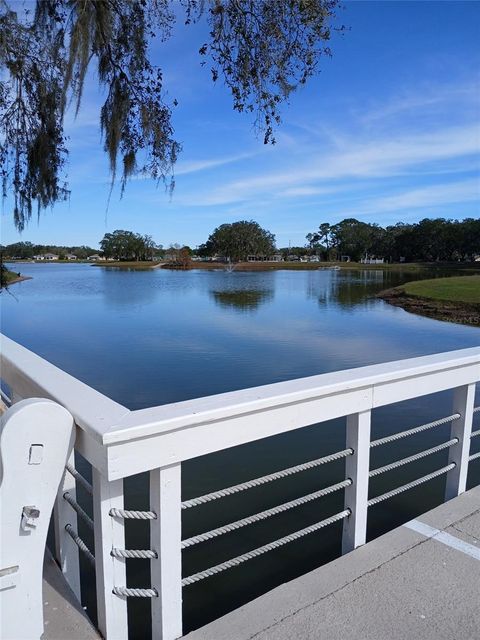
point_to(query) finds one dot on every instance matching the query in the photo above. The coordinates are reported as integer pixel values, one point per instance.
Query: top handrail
(111, 423)
(374, 380)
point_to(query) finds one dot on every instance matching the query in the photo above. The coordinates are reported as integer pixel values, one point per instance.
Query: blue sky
(388, 131)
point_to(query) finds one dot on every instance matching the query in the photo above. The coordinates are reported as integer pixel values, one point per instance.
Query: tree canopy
(262, 50)
(238, 240)
(430, 240)
(127, 245)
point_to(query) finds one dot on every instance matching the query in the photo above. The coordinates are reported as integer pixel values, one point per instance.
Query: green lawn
(455, 289)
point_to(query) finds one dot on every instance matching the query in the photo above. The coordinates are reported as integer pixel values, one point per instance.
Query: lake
(146, 338)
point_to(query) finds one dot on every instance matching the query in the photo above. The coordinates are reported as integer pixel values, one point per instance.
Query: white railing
(120, 443)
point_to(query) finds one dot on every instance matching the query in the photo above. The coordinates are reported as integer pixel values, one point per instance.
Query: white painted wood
(357, 467)
(165, 538)
(36, 437)
(463, 401)
(66, 551)
(411, 377)
(181, 444)
(109, 571)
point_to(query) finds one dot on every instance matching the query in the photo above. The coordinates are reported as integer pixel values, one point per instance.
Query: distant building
(95, 258)
(314, 259)
(49, 257)
(368, 260)
(277, 257)
(70, 256)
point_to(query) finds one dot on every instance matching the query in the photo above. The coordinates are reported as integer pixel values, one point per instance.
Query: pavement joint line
(445, 538)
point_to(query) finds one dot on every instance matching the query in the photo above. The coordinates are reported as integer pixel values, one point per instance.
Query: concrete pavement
(420, 581)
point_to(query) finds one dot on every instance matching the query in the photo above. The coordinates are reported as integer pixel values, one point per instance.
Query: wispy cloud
(384, 157)
(192, 166)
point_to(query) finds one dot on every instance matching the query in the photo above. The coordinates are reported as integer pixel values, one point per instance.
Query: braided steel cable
(80, 543)
(76, 507)
(132, 515)
(85, 484)
(133, 553)
(135, 593)
(411, 485)
(474, 434)
(474, 456)
(411, 432)
(201, 575)
(475, 409)
(257, 517)
(249, 484)
(417, 456)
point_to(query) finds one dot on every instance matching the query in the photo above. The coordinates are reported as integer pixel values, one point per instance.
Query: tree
(238, 240)
(262, 50)
(127, 245)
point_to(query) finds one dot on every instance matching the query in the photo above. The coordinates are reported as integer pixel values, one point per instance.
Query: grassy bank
(455, 299)
(10, 277)
(140, 265)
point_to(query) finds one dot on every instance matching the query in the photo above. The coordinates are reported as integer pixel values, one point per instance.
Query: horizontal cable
(261, 550)
(133, 553)
(132, 515)
(474, 456)
(80, 543)
(410, 485)
(85, 484)
(474, 434)
(135, 593)
(411, 432)
(208, 535)
(74, 504)
(249, 484)
(417, 456)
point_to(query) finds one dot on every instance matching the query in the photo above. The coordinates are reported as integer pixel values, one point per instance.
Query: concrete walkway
(63, 618)
(420, 581)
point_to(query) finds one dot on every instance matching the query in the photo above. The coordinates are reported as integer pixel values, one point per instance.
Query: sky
(388, 131)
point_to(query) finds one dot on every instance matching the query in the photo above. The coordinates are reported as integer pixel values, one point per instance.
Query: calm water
(146, 338)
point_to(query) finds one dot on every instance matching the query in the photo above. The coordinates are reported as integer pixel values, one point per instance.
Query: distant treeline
(26, 250)
(430, 240)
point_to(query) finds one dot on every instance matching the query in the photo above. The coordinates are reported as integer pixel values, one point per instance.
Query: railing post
(463, 400)
(66, 551)
(110, 571)
(165, 539)
(357, 469)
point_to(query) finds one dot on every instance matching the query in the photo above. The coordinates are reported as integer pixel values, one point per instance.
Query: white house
(46, 256)
(71, 256)
(95, 257)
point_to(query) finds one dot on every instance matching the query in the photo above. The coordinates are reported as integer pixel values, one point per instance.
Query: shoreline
(445, 310)
(17, 279)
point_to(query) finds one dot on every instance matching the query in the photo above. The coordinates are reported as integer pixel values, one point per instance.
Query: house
(50, 257)
(368, 260)
(314, 259)
(253, 258)
(95, 258)
(277, 257)
(70, 256)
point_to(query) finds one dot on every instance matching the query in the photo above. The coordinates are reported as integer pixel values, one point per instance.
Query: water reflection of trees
(242, 299)
(346, 289)
(351, 288)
